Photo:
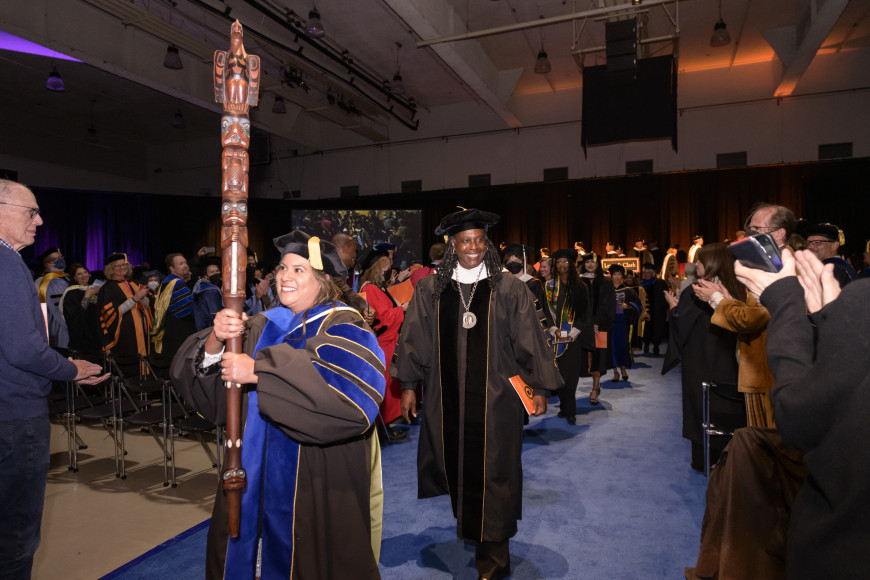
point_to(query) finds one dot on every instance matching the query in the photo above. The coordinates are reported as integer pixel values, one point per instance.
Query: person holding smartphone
(78, 306)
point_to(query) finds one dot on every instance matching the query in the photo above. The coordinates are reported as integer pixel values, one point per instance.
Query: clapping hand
(671, 299)
(817, 279)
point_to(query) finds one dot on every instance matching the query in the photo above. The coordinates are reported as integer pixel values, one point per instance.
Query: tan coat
(749, 320)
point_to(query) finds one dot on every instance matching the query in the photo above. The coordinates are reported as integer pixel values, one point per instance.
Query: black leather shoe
(398, 434)
(572, 420)
(561, 414)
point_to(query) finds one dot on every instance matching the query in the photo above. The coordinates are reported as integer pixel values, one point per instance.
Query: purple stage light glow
(15, 44)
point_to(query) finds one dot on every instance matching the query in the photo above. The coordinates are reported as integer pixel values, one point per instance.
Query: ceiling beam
(797, 45)
(430, 19)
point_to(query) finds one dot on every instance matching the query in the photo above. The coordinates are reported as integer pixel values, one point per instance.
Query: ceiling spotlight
(330, 97)
(542, 65)
(720, 35)
(178, 120)
(315, 25)
(278, 106)
(720, 32)
(398, 83)
(172, 59)
(54, 82)
(92, 134)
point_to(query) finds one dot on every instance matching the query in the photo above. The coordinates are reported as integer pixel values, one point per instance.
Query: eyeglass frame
(752, 230)
(819, 242)
(34, 211)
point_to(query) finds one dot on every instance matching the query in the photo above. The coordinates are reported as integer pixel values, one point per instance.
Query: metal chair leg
(705, 396)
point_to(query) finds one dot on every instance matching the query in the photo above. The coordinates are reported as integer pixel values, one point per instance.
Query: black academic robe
(125, 334)
(472, 433)
(323, 397)
(83, 324)
(822, 401)
(657, 307)
(707, 352)
(603, 297)
(544, 315)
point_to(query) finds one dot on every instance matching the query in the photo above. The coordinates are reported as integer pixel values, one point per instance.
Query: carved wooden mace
(236, 86)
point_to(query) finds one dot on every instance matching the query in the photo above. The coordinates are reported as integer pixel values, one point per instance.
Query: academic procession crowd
(466, 346)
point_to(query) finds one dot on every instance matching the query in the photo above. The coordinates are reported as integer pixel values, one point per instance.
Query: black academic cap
(152, 274)
(514, 249)
(385, 246)
(616, 268)
(828, 231)
(321, 254)
(589, 256)
(369, 256)
(466, 219)
(212, 261)
(41, 257)
(114, 258)
(571, 255)
(649, 266)
(696, 237)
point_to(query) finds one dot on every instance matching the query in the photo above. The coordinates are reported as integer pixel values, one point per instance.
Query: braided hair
(444, 274)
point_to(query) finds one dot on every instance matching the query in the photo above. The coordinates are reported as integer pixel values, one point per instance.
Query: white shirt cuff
(210, 359)
(715, 299)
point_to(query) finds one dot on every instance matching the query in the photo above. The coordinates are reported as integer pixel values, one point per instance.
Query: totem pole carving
(236, 86)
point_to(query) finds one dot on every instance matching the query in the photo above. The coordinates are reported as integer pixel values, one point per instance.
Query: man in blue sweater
(27, 367)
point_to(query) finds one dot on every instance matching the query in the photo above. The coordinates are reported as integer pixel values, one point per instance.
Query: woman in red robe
(388, 320)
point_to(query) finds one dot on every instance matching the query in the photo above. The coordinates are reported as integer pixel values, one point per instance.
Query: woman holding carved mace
(313, 378)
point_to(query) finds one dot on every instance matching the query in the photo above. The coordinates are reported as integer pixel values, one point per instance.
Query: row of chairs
(140, 394)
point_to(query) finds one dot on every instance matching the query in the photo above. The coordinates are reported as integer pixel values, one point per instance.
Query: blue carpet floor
(610, 497)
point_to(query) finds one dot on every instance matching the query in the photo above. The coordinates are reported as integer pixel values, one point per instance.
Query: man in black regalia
(470, 329)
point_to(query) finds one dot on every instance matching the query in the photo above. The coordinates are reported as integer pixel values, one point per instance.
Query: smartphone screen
(752, 254)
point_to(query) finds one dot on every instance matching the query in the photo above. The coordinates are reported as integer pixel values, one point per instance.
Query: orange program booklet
(524, 392)
(601, 340)
(402, 292)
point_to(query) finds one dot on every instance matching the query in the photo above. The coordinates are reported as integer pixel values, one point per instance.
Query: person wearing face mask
(208, 297)
(51, 287)
(516, 259)
(78, 306)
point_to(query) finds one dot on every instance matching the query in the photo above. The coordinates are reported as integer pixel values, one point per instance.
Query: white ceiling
(124, 91)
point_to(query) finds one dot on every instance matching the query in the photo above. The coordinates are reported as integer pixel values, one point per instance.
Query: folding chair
(77, 404)
(726, 405)
(140, 391)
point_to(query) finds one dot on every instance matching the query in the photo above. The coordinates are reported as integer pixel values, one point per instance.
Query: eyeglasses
(759, 229)
(818, 242)
(34, 211)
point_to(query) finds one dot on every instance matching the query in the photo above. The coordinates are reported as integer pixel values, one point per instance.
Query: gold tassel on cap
(314, 257)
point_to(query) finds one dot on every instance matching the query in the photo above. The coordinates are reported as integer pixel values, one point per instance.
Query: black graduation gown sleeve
(543, 311)
(821, 401)
(605, 312)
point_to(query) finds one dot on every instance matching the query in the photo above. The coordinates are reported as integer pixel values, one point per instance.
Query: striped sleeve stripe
(352, 391)
(181, 302)
(360, 337)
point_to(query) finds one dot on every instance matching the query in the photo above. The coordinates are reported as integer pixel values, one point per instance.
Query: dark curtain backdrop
(667, 207)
